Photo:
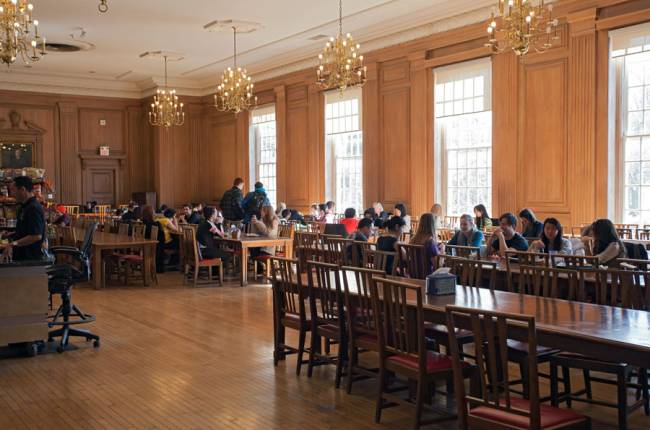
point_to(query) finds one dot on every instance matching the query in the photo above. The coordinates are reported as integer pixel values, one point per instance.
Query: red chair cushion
(210, 262)
(551, 416)
(435, 362)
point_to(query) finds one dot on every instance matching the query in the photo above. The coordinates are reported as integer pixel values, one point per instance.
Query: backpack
(254, 205)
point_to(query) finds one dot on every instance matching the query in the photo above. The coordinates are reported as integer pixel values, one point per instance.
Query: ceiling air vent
(69, 46)
(319, 37)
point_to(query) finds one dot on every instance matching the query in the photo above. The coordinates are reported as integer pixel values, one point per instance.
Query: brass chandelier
(103, 6)
(166, 110)
(235, 93)
(19, 33)
(525, 26)
(340, 65)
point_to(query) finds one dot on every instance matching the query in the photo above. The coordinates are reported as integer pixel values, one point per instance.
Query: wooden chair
(361, 324)
(463, 251)
(194, 263)
(358, 250)
(72, 210)
(643, 234)
(289, 310)
(137, 230)
(625, 233)
(306, 244)
(451, 221)
(412, 261)
(402, 345)
(574, 261)
(131, 261)
(285, 231)
(618, 288)
(380, 260)
(493, 406)
(445, 234)
(336, 250)
(327, 317)
(123, 229)
(415, 222)
(472, 272)
(514, 258)
(544, 281)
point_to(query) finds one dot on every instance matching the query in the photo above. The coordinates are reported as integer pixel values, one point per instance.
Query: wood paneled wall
(550, 136)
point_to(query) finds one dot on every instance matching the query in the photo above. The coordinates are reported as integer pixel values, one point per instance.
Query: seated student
(149, 221)
(505, 238)
(170, 226)
(61, 216)
(532, 226)
(322, 213)
(254, 201)
(426, 235)
(372, 215)
(197, 211)
(607, 245)
(209, 230)
(350, 221)
(285, 217)
(468, 235)
(281, 207)
(267, 226)
(314, 212)
(482, 219)
(380, 212)
(129, 215)
(185, 214)
(329, 212)
(400, 210)
(388, 242)
(552, 241)
(363, 232)
(297, 217)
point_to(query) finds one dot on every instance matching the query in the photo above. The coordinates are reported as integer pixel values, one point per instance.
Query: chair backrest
(380, 260)
(514, 258)
(359, 313)
(622, 288)
(463, 251)
(358, 251)
(73, 210)
(413, 261)
(86, 246)
(137, 230)
(336, 248)
(191, 252)
(490, 331)
(325, 298)
(400, 333)
(643, 233)
(415, 222)
(545, 282)
(306, 239)
(625, 233)
(471, 272)
(287, 288)
(153, 232)
(445, 234)
(68, 236)
(286, 231)
(123, 229)
(573, 261)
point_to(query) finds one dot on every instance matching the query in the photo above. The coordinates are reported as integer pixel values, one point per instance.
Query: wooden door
(100, 186)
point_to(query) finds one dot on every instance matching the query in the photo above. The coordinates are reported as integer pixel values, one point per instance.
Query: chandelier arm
(165, 71)
(340, 17)
(234, 38)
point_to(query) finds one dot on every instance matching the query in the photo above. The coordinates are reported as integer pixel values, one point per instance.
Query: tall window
(630, 64)
(264, 150)
(344, 149)
(463, 136)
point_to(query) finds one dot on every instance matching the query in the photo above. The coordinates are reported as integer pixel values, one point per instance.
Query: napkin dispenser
(441, 283)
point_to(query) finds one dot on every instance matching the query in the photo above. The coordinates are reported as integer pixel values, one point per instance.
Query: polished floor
(175, 357)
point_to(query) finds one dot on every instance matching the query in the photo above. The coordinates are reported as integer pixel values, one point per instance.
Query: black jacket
(231, 204)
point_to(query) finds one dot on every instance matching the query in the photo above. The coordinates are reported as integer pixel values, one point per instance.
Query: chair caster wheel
(32, 350)
(96, 343)
(50, 339)
(60, 349)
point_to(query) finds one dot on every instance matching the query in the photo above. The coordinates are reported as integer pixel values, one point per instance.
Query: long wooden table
(110, 241)
(244, 243)
(604, 332)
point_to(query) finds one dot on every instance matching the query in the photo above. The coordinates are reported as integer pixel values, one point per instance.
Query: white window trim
(254, 148)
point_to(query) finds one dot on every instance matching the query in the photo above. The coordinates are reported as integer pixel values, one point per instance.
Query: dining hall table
(606, 332)
(112, 242)
(247, 241)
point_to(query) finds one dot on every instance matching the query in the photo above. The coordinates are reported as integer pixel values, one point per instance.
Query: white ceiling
(132, 27)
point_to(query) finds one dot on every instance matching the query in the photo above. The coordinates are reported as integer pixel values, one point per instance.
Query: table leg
(98, 273)
(289, 249)
(146, 264)
(244, 265)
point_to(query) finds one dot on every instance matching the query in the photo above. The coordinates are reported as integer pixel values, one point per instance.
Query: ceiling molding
(417, 25)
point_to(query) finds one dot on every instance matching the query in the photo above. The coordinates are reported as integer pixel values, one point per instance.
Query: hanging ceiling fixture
(235, 93)
(166, 111)
(340, 65)
(19, 33)
(103, 6)
(525, 26)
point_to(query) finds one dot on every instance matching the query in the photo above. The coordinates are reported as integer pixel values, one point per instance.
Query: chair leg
(419, 400)
(339, 363)
(566, 375)
(221, 274)
(621, 390)
(312, 351)
(587, 377)
(643, 381)
(196, 275)
(381, 383)
(554, 383)
(352, 360)
(523, 370)
(301, 349)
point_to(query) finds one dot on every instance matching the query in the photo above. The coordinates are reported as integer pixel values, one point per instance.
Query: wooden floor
(174, 357)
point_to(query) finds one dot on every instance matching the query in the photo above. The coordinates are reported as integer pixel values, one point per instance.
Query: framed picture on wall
(16, 155)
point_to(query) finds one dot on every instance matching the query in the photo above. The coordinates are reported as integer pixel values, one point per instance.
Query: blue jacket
(460, 239)
(250, 211)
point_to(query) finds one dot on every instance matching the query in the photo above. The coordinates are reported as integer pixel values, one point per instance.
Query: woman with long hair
(268, 227)
(607, 245)
(427, 236)
(388, 242)
(400, 210)
(552, 241)
(482, 219)
(532, 226)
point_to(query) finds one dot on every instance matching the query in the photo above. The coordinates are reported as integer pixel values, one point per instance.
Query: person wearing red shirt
(350, 221)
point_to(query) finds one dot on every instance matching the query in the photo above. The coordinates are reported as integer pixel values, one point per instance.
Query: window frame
(255, 151)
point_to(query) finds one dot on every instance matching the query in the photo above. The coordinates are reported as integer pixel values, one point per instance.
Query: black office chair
(61, 279)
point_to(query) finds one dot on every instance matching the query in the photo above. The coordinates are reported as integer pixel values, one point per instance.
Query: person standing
(27, 242)
(231, 202)
(254, 202)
